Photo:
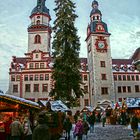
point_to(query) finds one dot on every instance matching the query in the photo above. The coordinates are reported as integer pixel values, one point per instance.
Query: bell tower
(39, 31)
(99, 58)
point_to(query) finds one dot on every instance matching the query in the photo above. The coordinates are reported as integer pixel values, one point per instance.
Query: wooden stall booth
(12, 106)
(133, 106)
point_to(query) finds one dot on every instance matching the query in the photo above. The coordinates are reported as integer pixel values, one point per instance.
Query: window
(37, 39)
(36, 77)
(13, 78)
(128, 77)
(115, 77)
(119, 89)
(36, 65)
(104, 90)
(38, 22)
(27, 87)
(103, 76)
(45, 88)
(129, 89)
(31, 66)
(102, 63)
(41, 77)
(15, 88)
(86, 89)
(31, 77)
(18, 78)
(119, 77)
(46, 76)
(26, 78)
(124, 77)
(124, 88)
(137, 77)
(36, 87)
(36, 56)
(41, 65)
(85, 77)
(86, 103)
(136, 88)
(132, 77)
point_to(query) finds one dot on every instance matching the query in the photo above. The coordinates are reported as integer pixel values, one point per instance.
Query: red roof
(122, 61)
(21, 60)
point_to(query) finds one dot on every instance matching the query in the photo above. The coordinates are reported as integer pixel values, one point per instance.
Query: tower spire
(95, 4)
(41, 2)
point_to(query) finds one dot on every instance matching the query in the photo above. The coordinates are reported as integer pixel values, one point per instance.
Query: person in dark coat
(16, 129)
(134, 123)
(67, 125)
(85, 129)
(91, 121)
(41, 131)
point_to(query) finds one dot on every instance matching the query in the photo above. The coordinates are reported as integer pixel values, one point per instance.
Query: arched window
(38, 22)
(37, 39)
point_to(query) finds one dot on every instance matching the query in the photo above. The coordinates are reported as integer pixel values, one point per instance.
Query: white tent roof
(56, 105)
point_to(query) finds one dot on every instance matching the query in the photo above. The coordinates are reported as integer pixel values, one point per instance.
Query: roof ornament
(95, 4)
(41, 2)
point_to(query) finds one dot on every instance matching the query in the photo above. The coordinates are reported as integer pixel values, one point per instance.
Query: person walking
(91, 121)
(85, 129)
(27, 130)
(41, 131)
(103, 119)
(134, 123)
(78, 131)
(67, 125)
(16, 129)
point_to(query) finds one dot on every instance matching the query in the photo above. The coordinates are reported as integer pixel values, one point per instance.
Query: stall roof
(133, 102)
(19, 100)
(55, 105)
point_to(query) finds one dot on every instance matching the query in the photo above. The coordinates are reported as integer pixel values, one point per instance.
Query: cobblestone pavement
(111, 132)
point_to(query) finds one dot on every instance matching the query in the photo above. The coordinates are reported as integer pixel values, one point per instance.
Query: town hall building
(105, 79)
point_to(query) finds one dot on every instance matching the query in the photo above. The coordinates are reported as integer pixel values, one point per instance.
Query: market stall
(133, 106)
(12, 106)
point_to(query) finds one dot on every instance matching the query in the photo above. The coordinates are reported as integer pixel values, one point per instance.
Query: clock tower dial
(101, 45)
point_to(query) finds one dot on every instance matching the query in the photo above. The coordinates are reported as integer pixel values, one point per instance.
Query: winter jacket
(41, 132)
(67, 125)
(16, 128)
(78, 128)
(27, 128)
(134, 123)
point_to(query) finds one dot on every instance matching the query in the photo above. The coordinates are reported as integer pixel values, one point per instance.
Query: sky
(121, 16)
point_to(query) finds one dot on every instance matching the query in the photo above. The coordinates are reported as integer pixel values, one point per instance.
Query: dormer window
(36, 56)
(37, 39)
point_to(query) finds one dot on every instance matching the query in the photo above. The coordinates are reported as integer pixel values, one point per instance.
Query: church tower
(99, 58)
(39, 31)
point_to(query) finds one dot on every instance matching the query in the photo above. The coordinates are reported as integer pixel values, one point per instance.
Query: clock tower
(99, 58)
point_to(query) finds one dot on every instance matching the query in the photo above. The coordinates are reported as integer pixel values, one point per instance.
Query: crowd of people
(52, 125)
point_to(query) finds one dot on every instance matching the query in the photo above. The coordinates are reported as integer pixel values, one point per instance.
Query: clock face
(101, 45)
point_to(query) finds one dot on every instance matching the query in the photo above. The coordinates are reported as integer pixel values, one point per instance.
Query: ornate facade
(105, 79)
